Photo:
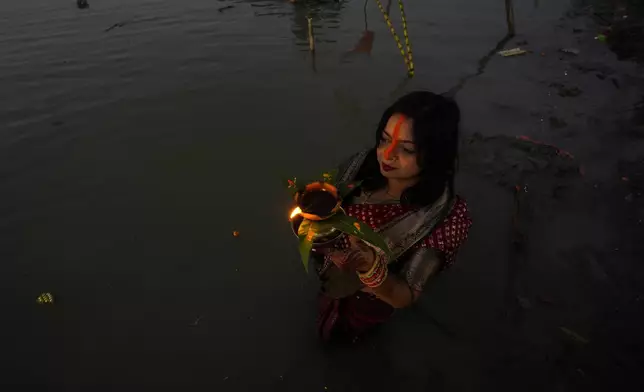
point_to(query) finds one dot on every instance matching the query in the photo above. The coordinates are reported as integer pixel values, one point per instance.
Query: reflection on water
(325, 15)
(365, 43)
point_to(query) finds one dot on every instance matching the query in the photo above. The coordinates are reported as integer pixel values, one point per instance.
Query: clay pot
(318, 201)
(320, 240)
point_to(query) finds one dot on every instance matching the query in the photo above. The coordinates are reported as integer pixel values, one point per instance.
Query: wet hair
(436, 131)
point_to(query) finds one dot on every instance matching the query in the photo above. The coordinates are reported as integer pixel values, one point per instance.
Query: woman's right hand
(355, 258)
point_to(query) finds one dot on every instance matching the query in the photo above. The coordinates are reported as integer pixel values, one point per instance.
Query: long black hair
(436, 131)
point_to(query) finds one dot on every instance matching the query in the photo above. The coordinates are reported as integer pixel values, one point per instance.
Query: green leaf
(306, 241)
(362, 231)
(330, 176)
(304, 228)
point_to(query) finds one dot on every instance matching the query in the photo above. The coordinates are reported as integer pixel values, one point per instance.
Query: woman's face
(397, 151)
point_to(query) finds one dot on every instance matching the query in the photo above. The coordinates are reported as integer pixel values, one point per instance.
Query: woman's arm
(402, 291)
(395, 291)
(398, 290)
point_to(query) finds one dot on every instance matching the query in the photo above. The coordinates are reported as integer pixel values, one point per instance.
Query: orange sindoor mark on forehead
(395, 138)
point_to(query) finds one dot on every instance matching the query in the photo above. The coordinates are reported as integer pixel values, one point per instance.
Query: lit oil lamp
(317, 202)
(319, 220)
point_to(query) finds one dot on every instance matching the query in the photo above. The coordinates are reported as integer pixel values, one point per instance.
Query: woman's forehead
(405, 133)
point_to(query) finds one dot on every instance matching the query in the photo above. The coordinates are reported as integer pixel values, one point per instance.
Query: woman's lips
(387, 168)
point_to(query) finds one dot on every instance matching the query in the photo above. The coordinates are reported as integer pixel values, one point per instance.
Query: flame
(296, 211)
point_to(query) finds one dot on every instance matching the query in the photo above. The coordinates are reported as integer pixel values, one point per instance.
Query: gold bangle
(373, 268)
(379, 281)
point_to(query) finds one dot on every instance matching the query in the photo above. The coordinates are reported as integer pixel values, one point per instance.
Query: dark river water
(128, 156)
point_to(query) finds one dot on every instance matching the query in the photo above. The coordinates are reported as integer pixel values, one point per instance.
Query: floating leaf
(512, 52)
(574, 335)
(45, 298)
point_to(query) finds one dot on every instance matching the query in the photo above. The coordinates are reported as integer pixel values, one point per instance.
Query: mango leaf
(354, 227)
(306, 232)
(304, 228)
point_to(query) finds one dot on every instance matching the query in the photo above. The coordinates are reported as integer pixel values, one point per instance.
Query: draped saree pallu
(418, 238)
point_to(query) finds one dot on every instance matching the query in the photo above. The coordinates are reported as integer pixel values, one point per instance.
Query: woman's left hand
(359, 257)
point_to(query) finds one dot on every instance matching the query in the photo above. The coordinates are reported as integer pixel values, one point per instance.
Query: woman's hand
(359, 257)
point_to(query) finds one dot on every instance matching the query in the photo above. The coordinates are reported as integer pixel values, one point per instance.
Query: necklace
(388, 199)
(390, 195)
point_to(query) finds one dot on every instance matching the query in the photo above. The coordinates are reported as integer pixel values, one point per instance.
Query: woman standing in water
(407, 193)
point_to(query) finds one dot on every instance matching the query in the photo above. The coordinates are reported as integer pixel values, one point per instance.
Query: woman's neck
(396, 187)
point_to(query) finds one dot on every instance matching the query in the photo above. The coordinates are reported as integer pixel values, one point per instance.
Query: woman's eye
(408, 151)
(384, 141)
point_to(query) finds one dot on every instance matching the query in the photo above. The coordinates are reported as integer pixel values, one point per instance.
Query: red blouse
(446, 237)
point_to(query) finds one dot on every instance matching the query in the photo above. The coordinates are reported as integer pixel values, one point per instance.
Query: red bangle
(376, 275)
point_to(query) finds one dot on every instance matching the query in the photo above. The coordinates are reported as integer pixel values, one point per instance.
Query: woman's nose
(391, 154)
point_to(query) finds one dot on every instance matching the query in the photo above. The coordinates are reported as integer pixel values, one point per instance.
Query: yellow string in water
(407, 57)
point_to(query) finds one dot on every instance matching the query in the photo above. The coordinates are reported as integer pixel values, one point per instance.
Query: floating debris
(570, 92)
(574, 335)
(82, 4)
(364, 45)
(196, 322)
(559, 151)
(524, 303)
(557, 123)
(311, 34)
(45, 298)
(572, 51)
(235, 233)
(566, 91)
(115, 25)
(601, 38)
(512, 52)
